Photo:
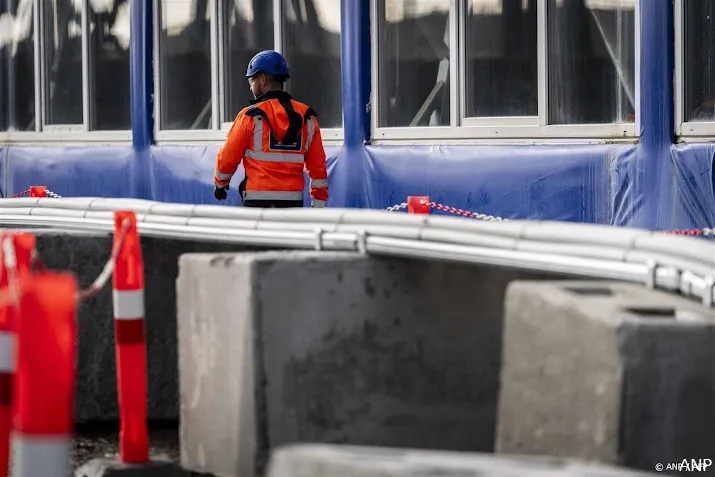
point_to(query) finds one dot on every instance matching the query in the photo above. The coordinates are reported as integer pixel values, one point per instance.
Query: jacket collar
(271, 95)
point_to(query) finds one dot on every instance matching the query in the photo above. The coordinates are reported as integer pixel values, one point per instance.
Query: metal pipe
(677, 264)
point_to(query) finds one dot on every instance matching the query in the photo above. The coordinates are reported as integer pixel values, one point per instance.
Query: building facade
(596, 111)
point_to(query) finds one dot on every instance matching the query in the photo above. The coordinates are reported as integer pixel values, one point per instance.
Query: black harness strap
(295, 122)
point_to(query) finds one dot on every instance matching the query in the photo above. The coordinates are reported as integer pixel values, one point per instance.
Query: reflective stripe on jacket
(276, 137)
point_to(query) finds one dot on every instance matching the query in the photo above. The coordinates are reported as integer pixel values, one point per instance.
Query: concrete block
(85, 255)
(282, 347)
(607, 371)
(333, 461)
(113, 468)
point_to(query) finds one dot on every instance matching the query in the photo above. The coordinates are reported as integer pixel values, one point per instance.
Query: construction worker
(275, 137)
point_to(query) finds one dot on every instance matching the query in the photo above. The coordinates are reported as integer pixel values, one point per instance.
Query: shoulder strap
(295, 121)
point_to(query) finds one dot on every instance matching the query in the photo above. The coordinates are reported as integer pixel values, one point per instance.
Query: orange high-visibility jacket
(275, 137)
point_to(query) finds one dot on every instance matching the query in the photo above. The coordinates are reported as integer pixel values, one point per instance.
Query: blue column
(355, 69)
(348, 175)
(141, 73)
(653, 165)
(656, 70)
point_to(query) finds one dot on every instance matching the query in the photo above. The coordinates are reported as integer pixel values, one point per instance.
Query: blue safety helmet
(268, 61)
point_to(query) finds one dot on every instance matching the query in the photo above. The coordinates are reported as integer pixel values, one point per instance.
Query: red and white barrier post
(418, 205)
(128, 297)
(15, 264)
(43, 413)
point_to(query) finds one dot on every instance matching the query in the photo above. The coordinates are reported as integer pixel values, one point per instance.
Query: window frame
(490, 130)
(72, 134)
(219, 129)
(685, 131)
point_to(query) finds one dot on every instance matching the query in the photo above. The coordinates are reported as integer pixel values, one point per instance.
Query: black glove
(220, 192)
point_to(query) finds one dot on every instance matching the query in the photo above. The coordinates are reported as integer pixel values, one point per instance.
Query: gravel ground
(103, 441)
(90, 443)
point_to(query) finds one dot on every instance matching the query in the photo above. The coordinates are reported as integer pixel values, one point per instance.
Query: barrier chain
(464, 213)
(425, 203)
(11, 296)
(37, 191)
(102, 278)
(396, 207)
(704, 232)
(445, 208)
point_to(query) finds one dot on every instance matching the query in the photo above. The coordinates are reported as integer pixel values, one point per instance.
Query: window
(695, 67)
(501, 59)
(204, 47)
(17, 67)
(62, 54)
(414, 63)
(109, 66)
(74, 75)
(504, 68)
(248, 29)
(311, 39)
(185, 64)
(591, 48)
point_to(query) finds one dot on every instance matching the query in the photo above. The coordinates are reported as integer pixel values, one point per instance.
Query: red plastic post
(38, 191)
(45, 380)
(128, 281)
(418, 205)
(23, 245)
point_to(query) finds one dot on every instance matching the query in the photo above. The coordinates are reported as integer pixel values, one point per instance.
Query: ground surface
(92, 442)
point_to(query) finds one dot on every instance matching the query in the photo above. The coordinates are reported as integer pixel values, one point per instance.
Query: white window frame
(219, 129)
(498, 130)
(686, 131)
(72, 134)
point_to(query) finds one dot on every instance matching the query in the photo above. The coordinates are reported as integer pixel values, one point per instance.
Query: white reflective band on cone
(128, 304)
(7, 352)
(40, 456)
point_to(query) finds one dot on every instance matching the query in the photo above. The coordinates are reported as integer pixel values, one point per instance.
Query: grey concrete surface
(282, 347)
(85, 255)
(608, 372)
(103, 467)
(339, 461)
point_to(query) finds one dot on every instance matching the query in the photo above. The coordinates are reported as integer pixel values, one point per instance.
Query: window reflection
(185, 62)
(109, 72)
(501, 52)
(62, 47)
(311, 35)
(591, 61)
(413, 63)
(248, 28)
(699, 74)
(17, 67)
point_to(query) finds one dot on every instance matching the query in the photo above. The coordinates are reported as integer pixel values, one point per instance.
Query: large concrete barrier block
(85, 255)
(333, 461)
(282, 347)
(606, 371)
